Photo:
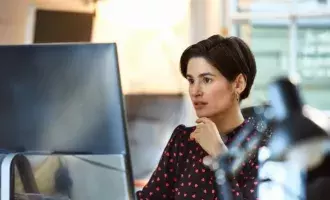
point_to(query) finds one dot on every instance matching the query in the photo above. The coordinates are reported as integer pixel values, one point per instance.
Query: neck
(228, 121)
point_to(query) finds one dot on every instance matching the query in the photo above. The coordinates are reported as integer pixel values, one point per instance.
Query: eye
(191, 81)
(207, 80)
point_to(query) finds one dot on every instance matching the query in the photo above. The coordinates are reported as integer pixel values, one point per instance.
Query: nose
(196, 90)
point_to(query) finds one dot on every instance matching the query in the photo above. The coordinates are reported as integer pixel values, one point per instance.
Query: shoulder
(178, 139)
(183, 129)
(182, 132)
(261, 127)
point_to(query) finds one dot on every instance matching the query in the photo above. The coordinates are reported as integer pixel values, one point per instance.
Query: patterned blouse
(181, 173)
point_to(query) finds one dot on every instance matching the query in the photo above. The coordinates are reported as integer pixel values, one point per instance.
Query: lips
(199, 104)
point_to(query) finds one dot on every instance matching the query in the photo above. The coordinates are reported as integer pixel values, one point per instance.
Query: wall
(151, 121)
(17, 17)
(65, 5)
(13, 21)
(149, 39)
(156, 94)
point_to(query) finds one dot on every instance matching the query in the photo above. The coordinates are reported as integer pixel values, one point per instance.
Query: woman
(220, 72)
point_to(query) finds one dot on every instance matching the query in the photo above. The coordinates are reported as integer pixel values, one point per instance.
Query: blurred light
(322, 1)
(145, 14)
(318, 117)
(297, 130)
(295, 78)
(308, 154)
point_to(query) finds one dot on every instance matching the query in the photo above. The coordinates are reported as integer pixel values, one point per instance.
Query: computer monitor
(63, 99)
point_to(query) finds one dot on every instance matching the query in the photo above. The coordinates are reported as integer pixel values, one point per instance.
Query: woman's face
(210, 92)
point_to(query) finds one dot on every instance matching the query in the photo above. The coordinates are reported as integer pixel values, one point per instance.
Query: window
(270, 41)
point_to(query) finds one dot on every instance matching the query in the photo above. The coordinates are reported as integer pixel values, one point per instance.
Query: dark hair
(231, 56)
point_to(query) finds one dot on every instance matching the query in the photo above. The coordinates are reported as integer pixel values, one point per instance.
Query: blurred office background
(288, 37)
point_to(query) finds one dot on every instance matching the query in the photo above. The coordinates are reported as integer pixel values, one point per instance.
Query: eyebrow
(202, 74)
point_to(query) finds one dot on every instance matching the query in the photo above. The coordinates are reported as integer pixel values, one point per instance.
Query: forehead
(199, 65)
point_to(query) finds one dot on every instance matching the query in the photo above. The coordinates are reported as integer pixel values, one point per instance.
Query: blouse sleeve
(161, 183)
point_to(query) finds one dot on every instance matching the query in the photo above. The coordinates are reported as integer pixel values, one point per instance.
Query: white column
(293, 43)
(231, 6)
(30, 24)
(206, 19)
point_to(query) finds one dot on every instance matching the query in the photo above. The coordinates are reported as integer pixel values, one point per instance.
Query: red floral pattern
(181, 173)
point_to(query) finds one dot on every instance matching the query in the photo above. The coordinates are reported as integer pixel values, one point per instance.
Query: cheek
(220, 95)
(190, 92)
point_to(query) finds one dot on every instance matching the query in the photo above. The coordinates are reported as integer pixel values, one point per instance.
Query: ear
(240, 83)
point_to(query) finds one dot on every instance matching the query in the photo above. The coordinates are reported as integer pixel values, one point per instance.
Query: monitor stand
(7, 172)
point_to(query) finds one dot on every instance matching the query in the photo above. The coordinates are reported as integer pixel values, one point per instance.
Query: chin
(203, 114)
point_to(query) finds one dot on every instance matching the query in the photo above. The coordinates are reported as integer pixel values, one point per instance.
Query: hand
(208, 137)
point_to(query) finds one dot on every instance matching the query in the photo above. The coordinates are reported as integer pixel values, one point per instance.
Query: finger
(197, 131)
(197, 137)
(193, 135)
(198, 127)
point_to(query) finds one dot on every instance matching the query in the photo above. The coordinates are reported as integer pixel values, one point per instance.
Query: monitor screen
(62, 98)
